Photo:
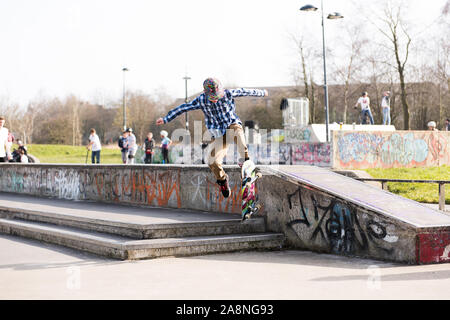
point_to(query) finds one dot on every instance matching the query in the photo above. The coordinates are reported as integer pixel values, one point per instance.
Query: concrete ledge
(167, 186)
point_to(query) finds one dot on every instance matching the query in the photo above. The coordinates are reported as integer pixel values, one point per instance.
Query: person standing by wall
(165, 143)
(95, 146)
(11, 140)
(5, 152)
(386, 108)
(132, 146)
(123, 145)
(23, 156)
(432, 126)
(447, 125)
(364, 101)
(149, 144)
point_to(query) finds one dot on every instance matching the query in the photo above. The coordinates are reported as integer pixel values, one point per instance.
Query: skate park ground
(33, 270)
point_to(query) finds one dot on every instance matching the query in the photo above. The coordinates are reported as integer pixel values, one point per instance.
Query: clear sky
(54, 47)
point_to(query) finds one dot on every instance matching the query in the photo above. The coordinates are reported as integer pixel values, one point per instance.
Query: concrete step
(125, 249)
(132, 222)
(140, 231)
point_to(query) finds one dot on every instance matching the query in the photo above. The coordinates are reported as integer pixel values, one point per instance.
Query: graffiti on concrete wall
(206, 194)
(284, 154)
(64, 184)
(124, 185)
(401, 149)
(336, 226)
(316, 154)
(129, 184)
(296, 135)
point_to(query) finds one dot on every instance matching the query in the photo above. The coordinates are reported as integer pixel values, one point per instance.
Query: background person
(20, 153)
(447, 125)
(165, 143)
(132, 146)
(95, 146)
(23, 157)
(149, 144)
(123, 145)
(386, 108)
(432, 126)
(5, 151)
(364, 101)
(11, 140)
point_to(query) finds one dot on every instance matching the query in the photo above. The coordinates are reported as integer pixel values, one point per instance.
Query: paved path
(32, 270)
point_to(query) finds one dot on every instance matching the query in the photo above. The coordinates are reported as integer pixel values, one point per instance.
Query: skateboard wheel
(257, 208)
(259, 175)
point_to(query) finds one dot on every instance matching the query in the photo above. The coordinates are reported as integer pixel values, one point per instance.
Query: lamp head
(308, 7)
(335, 15)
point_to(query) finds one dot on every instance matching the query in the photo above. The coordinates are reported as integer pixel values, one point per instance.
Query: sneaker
(241, 163)
(224, 187)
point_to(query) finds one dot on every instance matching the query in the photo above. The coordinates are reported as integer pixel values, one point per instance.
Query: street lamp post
(186, 78)
(124, 102)
(331, 16)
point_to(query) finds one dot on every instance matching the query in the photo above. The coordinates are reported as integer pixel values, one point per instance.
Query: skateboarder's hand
(160, 121)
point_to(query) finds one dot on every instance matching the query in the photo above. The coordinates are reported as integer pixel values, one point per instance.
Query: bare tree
(400, 41)
(443, 65)
(308, 58)
(346, 72)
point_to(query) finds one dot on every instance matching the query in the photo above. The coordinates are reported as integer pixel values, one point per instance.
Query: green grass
(47, 153)
(422, 192)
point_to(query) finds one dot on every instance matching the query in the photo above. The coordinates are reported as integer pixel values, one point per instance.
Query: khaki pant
(217, 149)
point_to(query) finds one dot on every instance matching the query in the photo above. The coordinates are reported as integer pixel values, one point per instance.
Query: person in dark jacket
(149, 144)
(19, 154)
(123, 145)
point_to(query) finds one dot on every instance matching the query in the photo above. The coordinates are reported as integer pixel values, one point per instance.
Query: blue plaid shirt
(218, 116)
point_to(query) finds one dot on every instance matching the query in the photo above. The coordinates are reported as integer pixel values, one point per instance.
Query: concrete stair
(123, 232)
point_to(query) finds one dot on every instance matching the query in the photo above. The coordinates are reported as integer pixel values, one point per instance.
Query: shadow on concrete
(416, 276)
(293, 257)
(300, 258)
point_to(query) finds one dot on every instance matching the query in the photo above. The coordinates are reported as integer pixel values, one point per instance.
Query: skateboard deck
(249, 177)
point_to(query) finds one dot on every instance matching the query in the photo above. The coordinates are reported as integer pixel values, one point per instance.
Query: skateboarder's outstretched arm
(185, 107)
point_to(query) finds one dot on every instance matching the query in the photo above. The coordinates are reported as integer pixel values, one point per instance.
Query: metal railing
(441, 184)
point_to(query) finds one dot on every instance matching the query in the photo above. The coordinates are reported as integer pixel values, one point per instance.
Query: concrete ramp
(323, 211)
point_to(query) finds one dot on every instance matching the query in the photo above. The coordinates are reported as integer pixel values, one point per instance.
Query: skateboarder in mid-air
(219, 108)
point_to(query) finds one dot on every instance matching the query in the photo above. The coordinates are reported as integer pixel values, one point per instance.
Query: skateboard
(249, 177)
